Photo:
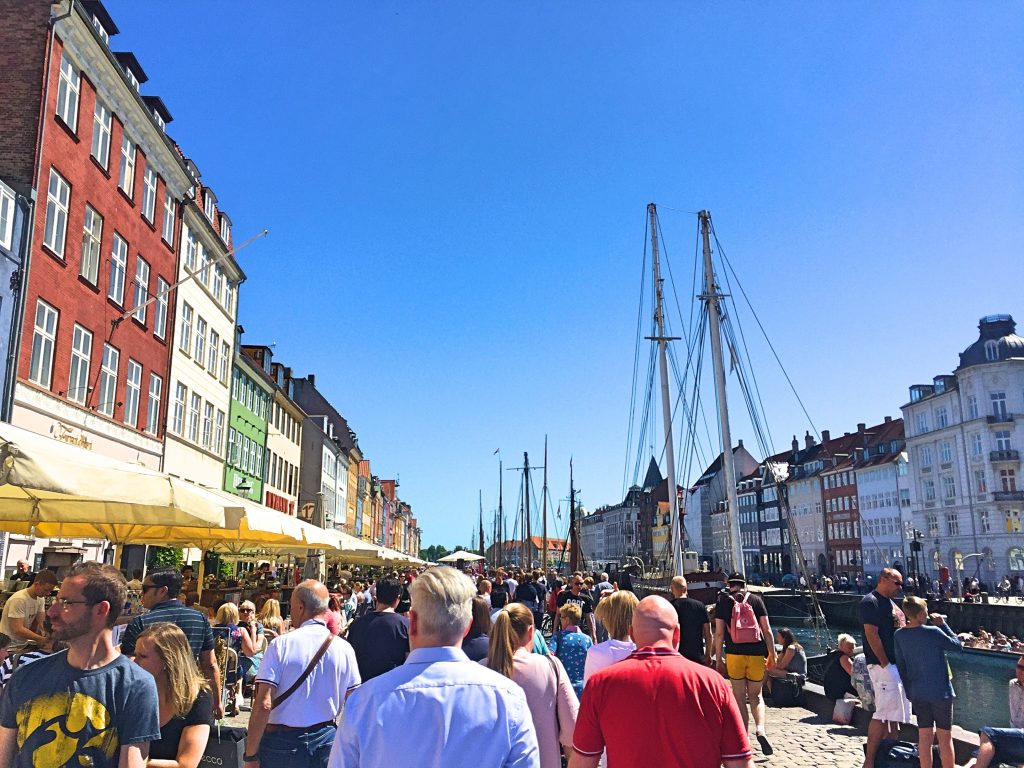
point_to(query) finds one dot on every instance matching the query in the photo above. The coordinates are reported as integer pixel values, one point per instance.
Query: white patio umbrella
(460, 554)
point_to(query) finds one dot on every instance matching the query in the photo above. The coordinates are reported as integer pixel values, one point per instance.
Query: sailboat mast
(501, 518)
(666, 402)
(712, 297)
(526, 509)
(544, 506)
(574, 545)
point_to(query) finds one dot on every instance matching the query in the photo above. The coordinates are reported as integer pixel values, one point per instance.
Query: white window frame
(108, 380)
(102, 120)
(44, 340)
(212, 352)
(178, 420)
(92, 244)
(167, 226)
(225, 357)
(156, 388)
(218, 431)
(132, 393)
(141, 289)
(160, 308)
(149, 184)
(189, 247)
(68, 89)
(78, 372)
(218, 281)
(208, 204)
(200, 349)
(185, 332)
(7, 208)
(118, 269)
(207, 424)
(194, 409)
(58, 200)
(225, 231)
(126, 174)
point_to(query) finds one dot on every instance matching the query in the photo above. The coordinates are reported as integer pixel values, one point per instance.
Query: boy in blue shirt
(921, 661)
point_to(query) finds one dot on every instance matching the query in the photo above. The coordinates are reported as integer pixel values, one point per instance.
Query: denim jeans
(294, 749)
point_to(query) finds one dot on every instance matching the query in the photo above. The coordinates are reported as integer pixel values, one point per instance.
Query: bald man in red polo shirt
(694, 724)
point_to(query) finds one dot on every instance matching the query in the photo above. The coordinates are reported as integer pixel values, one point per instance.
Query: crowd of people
(460, 661)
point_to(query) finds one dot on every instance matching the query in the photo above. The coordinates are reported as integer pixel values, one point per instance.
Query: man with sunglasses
(576, 594)
(160, 590)
(881, 617)
(1005, 745)
(88, 705)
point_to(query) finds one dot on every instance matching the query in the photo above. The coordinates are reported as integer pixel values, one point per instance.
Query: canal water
(980, 681)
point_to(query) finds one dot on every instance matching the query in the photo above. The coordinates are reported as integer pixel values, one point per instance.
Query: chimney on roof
(888, 419)
(861, 427)
(808, 440)
(311, 378)
(795, 444)
(825, 436)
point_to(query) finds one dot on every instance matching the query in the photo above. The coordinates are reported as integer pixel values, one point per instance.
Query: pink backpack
(744, 627)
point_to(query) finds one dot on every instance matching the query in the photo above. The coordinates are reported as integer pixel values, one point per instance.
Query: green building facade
(251, 396)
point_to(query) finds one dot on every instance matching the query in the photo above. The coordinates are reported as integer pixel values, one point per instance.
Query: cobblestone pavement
(803, 739)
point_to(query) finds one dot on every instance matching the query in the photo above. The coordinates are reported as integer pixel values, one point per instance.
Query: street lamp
(242, 487)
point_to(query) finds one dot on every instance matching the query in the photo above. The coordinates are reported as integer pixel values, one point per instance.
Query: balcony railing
(1008, 495)
(1000, 418)
(1008, 455)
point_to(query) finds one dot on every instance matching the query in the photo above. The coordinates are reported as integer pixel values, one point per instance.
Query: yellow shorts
(745, 667)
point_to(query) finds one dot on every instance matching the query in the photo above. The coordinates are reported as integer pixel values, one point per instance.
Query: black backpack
(788, 691)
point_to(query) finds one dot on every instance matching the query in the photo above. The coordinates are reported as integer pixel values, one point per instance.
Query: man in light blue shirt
(440, 708)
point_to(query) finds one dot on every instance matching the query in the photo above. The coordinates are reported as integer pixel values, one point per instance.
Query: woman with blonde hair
(569, 645)
(185, 700)
(270, 617)
(549, 694)
(615, 612)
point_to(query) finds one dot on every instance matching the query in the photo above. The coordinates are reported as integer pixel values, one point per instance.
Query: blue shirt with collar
(440, 709)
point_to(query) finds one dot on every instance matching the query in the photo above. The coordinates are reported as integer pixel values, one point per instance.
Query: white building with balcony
(964, 440)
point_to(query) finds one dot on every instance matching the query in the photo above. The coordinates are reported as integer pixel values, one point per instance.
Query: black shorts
(934, 713)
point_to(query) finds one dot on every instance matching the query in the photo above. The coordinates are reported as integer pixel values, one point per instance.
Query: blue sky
(456, 194)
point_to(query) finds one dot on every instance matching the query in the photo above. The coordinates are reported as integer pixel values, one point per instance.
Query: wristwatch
(250, 758)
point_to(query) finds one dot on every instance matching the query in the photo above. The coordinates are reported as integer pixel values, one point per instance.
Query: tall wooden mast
(666, 402)
(712, 298)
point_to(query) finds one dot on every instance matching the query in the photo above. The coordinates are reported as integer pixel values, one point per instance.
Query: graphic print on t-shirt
(54, 728)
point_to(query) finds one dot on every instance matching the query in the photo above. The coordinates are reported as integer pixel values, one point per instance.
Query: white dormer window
(991, 350)
(159, 121)
(132, 78)
(225, 232)
(100, 30)
(208, 205)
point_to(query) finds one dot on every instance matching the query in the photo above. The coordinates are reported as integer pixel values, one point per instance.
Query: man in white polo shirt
(301, 686)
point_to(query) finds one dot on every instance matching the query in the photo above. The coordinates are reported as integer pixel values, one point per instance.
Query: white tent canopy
(461, 554)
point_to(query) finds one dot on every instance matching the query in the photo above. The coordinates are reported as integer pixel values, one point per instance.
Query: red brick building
(108, 185)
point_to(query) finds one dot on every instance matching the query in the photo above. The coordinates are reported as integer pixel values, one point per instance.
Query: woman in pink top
(549, 694)
(615, 612)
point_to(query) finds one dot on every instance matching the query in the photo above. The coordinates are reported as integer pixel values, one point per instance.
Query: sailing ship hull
(704, 586)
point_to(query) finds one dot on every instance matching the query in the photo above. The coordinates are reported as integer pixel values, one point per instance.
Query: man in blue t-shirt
(881, 618)
(89, 704)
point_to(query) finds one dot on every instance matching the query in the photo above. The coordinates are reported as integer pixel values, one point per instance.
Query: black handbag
(788, 691)
(225, 749)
